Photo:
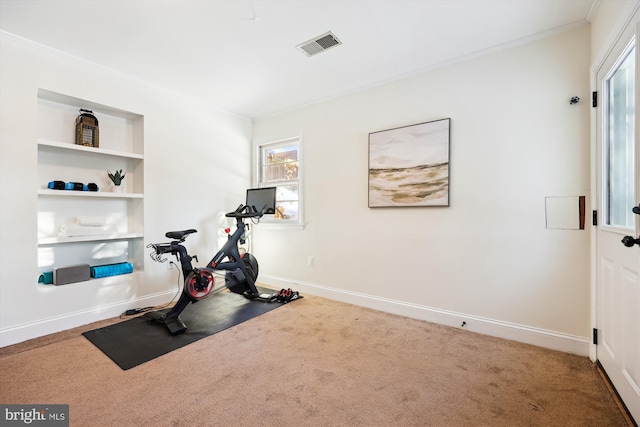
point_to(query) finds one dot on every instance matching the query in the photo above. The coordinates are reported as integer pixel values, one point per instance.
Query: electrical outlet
(310, 261)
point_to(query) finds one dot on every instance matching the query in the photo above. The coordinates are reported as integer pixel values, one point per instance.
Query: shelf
(99, 194)
(57, 240)
(81, 148)
(59, 158)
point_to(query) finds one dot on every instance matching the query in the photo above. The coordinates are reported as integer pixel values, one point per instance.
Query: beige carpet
(315, 362)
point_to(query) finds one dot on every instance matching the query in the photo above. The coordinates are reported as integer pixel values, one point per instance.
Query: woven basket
(87, 132)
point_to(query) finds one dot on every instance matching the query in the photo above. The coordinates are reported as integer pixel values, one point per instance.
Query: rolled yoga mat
(111, 270)
(92, 221)
(78, 186)
(46, 278)
(71, 230)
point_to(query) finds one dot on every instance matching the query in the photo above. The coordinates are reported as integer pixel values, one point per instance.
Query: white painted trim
(593, 11)
(496, 328)
(62, 54)
(19, 333)
(594, 207)
(256, 160)
(438, 66)
(626, 18)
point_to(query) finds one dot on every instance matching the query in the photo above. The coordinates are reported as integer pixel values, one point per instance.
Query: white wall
(487, 259)
(196, 166)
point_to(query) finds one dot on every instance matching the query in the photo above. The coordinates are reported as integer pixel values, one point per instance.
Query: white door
(618, 174)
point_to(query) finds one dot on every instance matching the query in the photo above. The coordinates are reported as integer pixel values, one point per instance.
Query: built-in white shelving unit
(121, 146)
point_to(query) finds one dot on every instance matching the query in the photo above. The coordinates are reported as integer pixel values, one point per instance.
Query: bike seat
(180, 235)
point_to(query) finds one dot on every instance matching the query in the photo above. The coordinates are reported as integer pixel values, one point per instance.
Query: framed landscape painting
(409, 166)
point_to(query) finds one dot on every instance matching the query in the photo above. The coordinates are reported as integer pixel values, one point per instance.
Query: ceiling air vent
(319, 44)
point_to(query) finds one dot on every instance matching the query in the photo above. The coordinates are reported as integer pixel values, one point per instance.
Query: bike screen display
(262, 199)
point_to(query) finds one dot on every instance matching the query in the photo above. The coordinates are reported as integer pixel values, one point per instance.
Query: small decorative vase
(117, 188)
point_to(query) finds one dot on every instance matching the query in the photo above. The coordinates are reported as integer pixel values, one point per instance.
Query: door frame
(617, 33)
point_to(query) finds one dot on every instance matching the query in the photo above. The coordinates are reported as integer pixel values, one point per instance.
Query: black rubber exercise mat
(138, 340)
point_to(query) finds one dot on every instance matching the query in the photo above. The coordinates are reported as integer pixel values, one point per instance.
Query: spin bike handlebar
(175, 247)
(244, 211)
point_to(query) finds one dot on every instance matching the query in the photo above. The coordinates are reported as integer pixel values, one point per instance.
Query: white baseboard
(526, 334)
(19, 333)
(511, 331)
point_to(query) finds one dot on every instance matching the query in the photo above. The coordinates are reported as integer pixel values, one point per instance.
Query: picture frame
(409, 166)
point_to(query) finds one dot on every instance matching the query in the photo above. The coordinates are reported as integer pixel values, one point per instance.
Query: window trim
(256, 180)
(630, 46)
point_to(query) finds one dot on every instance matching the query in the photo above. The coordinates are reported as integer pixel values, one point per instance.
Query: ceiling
(241, 57)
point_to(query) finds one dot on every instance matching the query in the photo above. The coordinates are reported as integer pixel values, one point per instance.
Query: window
(620, 91)
(279, 166)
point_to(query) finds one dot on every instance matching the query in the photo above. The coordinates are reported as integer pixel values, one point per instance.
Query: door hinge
(594, 218)
(594, 99)
(595, 336)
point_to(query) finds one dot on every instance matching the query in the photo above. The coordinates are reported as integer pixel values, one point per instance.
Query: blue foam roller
(111, 270)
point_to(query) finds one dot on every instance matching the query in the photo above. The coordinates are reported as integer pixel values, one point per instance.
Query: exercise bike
(241, 270)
